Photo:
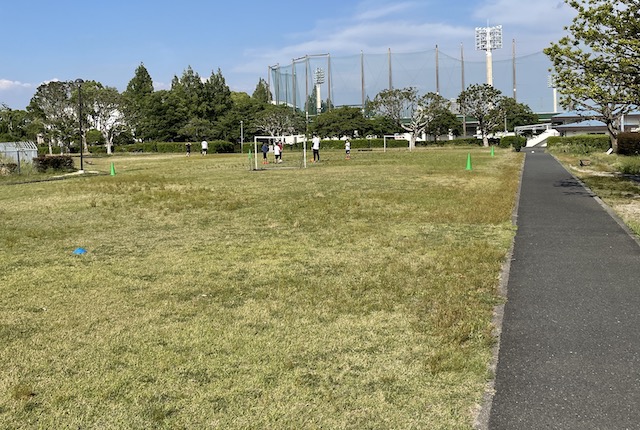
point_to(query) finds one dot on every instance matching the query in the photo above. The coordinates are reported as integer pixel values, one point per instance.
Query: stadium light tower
(488, 39)
(318, 78)
(551, 83)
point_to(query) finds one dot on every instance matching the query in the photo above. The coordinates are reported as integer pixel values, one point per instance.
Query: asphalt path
(570, 344)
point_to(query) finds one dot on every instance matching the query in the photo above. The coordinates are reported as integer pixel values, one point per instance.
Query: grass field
(349, 295)
(604, 175)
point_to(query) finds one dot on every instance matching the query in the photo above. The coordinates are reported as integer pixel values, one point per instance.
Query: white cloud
(7, 85)
(370, 12)
(541, 15)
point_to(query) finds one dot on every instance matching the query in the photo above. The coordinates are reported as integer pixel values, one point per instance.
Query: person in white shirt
(316, 148)
(277, 152)
(347, 148)
(205, 146)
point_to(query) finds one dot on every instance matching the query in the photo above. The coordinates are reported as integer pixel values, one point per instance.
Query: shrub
(516, 142)
(629, 165)
(629, 144)
(8, 168)
(581, 145)
(42, 163)
(466, 141)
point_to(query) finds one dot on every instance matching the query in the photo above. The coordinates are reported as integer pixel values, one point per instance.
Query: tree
(280, 120)
(136, 100)
(343, 121)
(217, 95)
(486, 105)
(197, 129)
(438, 118)
(597, 66)
(53, 107)
(518, 114)
(262, 94)
(15, 125)
(104, 107)
(410, 111)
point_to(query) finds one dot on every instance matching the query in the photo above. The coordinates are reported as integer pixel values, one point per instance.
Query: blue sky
(105, 41)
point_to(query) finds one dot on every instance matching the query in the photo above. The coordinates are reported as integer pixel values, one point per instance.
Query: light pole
(488, 39)
(80, 82)
(318, 77)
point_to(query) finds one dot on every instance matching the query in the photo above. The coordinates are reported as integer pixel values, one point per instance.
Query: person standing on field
(281, 146)
(205, 146)
(188, 145)
(315, 146)
(276, 152)
(265, 151)
(347, 148)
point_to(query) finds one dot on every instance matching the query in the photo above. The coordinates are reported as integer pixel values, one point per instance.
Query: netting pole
(306, 84)
(437, 72)
(390, 78)
(513, 51)
(362, 78)
(464, 116)
(293, 84)
(329, 81)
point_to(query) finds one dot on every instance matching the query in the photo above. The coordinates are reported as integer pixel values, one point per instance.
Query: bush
(516, 142)
(217, 146)
(8, 168)
(629, 165)
(64, 163)
(629, 144)
(466, 141)
(581, 145)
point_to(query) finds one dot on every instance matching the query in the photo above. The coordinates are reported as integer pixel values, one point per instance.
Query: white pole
(489, 67)
(304, 152)
(255, 151)
(241, 135)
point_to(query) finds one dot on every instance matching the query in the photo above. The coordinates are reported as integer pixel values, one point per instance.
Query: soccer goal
(288, 140)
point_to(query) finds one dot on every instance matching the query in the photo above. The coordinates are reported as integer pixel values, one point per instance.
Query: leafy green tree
(217, 95)
(486, 104)
(280, 120)
(343, 121)
(136, 100)
(15, 125)
(52, 106)
(165, 116)
(412, 112)
(597, 65)
(438, 119)
(197, 129)
(518, 114)
(105, 110)
(262, 94)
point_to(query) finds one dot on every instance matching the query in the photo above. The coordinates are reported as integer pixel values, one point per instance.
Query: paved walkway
(570, 344)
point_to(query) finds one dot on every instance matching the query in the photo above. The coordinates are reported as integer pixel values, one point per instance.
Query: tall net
(351, 80)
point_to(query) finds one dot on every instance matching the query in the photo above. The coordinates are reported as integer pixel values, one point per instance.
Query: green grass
(614, 179)
(352, 294)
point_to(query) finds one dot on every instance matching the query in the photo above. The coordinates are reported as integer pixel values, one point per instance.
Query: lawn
(614, 178)
(352, 294)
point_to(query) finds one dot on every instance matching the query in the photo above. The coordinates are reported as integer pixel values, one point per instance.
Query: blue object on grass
(79, 251)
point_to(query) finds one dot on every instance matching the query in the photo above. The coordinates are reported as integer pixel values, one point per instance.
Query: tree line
(196, 109)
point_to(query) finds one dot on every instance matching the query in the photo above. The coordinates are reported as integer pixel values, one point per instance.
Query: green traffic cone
(469, 161)
(113, 170)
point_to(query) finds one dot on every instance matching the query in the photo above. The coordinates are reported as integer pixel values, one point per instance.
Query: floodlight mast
(318, 77)
(551, 83)
(488, 39)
